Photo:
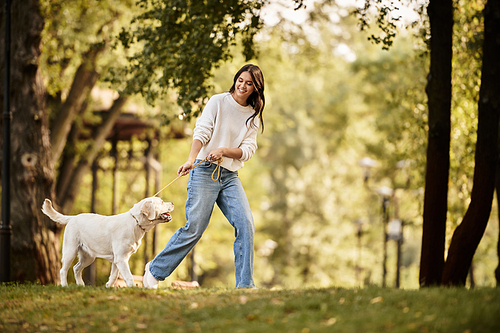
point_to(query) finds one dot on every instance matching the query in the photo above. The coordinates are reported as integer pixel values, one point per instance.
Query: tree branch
(99, 138)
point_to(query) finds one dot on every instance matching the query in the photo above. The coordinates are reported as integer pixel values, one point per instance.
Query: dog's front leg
(113, 276)
(125, 272)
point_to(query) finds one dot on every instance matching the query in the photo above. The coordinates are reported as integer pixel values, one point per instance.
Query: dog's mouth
(166, 217)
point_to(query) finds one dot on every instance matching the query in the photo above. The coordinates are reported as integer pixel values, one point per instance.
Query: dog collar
(136, 220)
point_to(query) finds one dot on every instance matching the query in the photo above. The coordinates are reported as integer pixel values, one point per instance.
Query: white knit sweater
(223, 123)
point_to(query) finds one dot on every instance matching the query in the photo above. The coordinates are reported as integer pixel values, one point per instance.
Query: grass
(35, 308)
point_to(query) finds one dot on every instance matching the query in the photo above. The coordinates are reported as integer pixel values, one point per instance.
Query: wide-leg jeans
(203, 193)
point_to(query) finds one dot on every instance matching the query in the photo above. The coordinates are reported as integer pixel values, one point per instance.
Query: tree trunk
(438, 157)
(83, 82)
(68, 197)
(468, 234)
(497, 186)
(35, 239)
(67, 164)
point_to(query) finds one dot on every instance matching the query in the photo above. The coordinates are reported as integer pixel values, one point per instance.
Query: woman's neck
(239, 100)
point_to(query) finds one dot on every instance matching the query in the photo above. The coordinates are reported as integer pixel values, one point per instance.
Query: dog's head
(152, 211)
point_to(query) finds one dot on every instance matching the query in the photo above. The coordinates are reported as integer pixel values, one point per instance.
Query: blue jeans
(203, 193)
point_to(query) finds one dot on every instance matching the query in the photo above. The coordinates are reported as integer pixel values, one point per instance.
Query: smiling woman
(244, 88)
(225, 133)
(250, 75)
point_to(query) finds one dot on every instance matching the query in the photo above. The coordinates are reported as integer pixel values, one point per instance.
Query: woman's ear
(148, 209)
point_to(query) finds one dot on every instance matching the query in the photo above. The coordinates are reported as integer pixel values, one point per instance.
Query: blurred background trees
(436, 266)
(333, 98)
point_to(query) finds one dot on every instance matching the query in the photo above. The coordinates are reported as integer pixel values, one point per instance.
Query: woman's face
(244, 87)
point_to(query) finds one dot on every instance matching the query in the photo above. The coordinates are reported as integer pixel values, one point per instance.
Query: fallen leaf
(329, 322)
(430, 317)
(251, 317)
(412, 326)
(376, 300)
(141, 326)
(185, 284)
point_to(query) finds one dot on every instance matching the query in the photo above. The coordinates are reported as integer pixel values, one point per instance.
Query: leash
(217, 169)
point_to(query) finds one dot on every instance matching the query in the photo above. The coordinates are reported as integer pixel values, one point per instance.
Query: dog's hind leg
(113, 276)
(84, 260)
(69, 252)
(67, 260)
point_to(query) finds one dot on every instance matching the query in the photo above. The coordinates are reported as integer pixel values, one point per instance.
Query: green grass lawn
(35, 308)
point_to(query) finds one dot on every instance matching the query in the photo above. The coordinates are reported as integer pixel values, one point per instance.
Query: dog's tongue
(166, 216)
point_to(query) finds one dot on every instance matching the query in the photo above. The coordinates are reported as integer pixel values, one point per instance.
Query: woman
(225, 134)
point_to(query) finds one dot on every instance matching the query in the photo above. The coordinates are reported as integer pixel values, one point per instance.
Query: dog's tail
(48, 210)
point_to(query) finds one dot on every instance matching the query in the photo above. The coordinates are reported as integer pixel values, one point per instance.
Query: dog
(114, 238)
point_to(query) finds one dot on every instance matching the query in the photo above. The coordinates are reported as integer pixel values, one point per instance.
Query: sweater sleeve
(205, 124)
(249, 144)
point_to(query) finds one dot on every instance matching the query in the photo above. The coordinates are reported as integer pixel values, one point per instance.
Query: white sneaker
(148, 280)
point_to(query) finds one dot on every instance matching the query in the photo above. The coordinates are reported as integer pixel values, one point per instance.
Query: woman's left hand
(215, 155)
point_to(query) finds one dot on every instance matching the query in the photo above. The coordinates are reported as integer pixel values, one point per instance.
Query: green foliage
(73, 28)
(386, 21)
(394, 85)
(466, 80)
(467, 61)
(181, 42)
(325, 111)
(34, 308)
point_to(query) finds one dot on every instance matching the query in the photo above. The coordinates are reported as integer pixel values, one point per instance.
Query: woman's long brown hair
(256, 99)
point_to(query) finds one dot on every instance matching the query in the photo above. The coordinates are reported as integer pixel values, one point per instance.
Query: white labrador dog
(114, 238)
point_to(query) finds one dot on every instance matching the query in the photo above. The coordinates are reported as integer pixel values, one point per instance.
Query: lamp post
(395, 232)
(359, 233)
(366, 164)
(385, 193)
(392, 230)
(396, 226)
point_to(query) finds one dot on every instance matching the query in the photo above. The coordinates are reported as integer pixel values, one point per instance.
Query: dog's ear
(148, 209)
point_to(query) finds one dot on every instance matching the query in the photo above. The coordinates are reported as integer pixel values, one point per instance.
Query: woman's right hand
(184, 169)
